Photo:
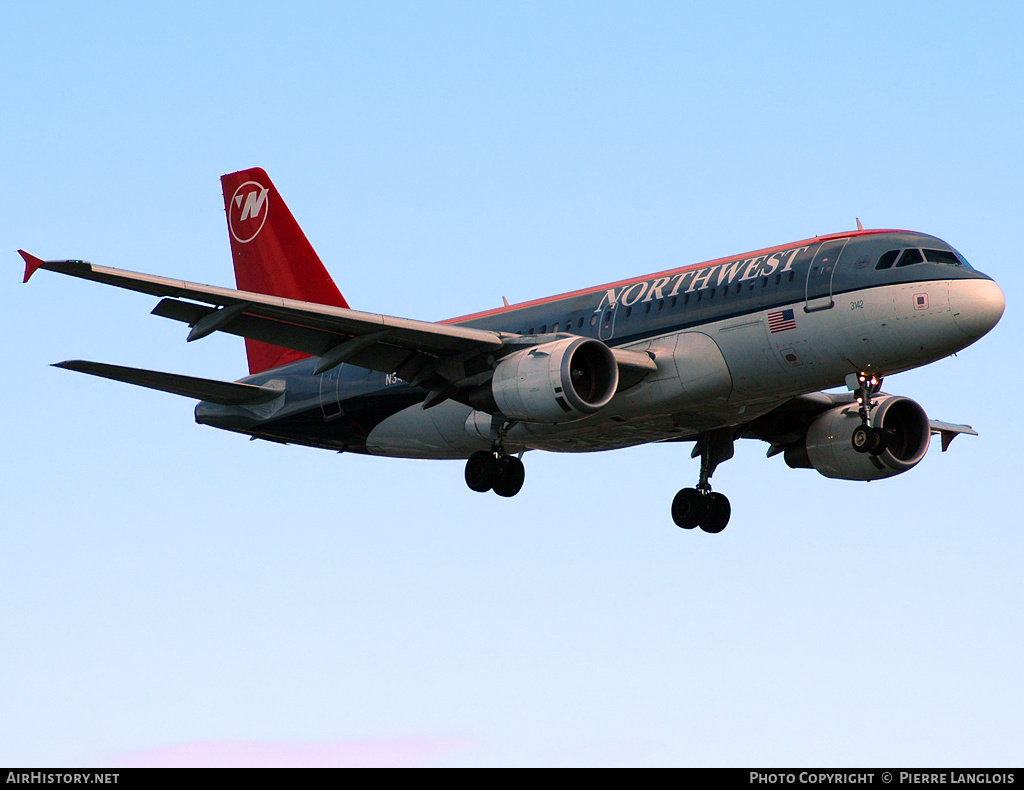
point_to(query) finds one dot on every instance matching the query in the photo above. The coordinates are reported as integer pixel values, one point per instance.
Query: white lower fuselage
(729, 371)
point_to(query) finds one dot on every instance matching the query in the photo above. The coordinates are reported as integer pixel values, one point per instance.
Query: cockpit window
(942, 256)
(910, 257)
(963, 261)
(887, 260)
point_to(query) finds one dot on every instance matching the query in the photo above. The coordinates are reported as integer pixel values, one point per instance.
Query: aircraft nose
(977, 306)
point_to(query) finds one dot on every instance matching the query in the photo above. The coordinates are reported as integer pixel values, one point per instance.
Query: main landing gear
(495, 470)
(492, 471)
(700, 506)
(866, 438)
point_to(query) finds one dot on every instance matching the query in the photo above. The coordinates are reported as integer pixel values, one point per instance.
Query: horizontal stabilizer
(228, 393)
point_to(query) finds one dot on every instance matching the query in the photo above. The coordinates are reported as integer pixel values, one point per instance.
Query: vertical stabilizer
(271, 255)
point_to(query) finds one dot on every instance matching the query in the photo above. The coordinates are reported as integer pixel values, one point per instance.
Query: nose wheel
(867, 439)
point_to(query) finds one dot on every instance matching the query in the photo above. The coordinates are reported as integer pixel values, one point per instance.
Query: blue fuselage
(733, 338)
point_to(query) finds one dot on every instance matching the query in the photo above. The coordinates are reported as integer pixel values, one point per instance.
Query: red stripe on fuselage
(666, 273)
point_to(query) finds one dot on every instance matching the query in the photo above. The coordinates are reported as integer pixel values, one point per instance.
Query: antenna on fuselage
(860, 225)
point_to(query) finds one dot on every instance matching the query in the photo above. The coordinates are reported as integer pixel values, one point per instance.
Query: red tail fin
(272, 255)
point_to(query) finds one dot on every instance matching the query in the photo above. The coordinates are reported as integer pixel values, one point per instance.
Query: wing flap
(387, 353)
(301, 338)
(228, 393)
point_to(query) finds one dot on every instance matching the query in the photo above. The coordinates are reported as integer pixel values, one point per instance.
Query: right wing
(787, 424)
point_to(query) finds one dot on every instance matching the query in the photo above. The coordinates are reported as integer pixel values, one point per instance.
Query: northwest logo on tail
(247, 211)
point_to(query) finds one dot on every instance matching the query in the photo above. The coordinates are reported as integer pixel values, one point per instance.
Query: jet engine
(554, 382)
(828, 446)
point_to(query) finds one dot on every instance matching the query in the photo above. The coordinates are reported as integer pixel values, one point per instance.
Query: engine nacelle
(555, 382)
(828, 447)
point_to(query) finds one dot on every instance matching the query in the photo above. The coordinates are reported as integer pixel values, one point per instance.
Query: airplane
(738, 347)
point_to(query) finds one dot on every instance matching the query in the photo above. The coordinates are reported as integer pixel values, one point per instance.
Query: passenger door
(818, 293)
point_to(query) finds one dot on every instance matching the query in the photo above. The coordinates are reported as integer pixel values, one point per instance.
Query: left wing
(440, 357)
(336, 334)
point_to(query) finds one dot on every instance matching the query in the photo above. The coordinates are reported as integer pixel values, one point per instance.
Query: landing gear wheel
(866, 439)
(482, 471)
(700, 506)
(688, 508)
(511, 475)
(861, 439)
(717, 516)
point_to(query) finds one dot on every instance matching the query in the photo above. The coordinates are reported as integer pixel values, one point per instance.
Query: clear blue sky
(174, 594)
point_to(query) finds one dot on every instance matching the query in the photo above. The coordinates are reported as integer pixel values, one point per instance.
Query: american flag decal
(780, 321)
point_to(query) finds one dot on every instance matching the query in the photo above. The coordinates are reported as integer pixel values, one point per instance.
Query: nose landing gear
(866, 438)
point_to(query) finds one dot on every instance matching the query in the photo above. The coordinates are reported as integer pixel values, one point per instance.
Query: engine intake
(555, 382)
(828, 448)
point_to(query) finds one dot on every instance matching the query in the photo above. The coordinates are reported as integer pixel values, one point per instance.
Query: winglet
(31, 264)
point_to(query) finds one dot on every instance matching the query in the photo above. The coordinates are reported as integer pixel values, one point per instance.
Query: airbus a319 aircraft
(739, 347)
